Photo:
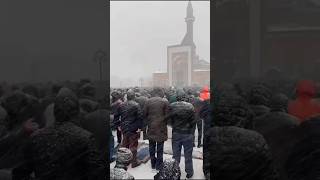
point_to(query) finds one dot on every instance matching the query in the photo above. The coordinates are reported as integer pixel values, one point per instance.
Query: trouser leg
(176, 146)
(159, 154)
(188, 148)
(152, 151)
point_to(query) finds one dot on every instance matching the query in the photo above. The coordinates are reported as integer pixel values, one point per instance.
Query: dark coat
(182, 117)
(304, 158)
(141, 101)
(115, 110)
(97, 123)
(279, 129)
(237, 153)
(131, 117)
(155, 111)
(62, 152)
(205, 114)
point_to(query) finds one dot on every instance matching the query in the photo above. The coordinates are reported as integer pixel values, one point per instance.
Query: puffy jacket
(304, 107)
(131, 117)
(155, 111)
(182, 117)
(205, 94)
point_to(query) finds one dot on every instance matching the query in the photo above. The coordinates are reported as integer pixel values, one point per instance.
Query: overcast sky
(140, 32)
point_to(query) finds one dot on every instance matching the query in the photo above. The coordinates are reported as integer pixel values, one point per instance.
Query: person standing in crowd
(115, 110)
(141, 100)
(172, 95)
(64, 151)
(303, 161)
(259, 99)
(111, 140)
(87, 91)
(204, 113)
(18, 127)
(130, 125)
(96, 123)
(155, 111)
(197, 104)
(233, 151)
(3, 116)
(304, 107)
(182, 119)
(279, 129)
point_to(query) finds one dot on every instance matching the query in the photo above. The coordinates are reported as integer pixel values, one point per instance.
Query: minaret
(188, 38)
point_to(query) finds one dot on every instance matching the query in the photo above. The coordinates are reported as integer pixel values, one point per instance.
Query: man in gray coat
(155, 111)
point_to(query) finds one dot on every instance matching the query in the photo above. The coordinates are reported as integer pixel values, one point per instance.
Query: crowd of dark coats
(61, 131)
(53, 131)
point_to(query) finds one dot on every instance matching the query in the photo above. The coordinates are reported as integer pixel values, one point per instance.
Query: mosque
(184, 68)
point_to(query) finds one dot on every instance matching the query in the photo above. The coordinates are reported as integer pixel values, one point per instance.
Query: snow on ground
(144, 171)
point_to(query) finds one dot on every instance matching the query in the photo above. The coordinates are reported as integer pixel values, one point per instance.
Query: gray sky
(140, 32)
(51, 40)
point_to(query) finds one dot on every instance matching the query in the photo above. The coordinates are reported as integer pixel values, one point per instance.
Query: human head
(115, 95)
(181, 95)
(130, 95)
(232, 110)
(259, 95)
(66, 105)
(306, 88)
(157, 91)
(124, 157)
(19, 107)
(279, 102)
(87, 90)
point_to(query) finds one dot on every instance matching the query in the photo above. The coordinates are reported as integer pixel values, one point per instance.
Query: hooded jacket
(303, 107)
(205, 93)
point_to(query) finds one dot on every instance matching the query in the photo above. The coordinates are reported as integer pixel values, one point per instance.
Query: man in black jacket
(115, 111)
(182, 120)
(131, 124)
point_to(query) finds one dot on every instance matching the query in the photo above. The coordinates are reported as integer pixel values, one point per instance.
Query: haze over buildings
(141, 31)
(51, 40)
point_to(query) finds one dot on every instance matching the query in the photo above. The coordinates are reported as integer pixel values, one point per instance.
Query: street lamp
(100, 57)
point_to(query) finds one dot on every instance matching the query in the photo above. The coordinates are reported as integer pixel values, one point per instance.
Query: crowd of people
(53, 131)
(251, 130)
(152, 110)
(264, 130)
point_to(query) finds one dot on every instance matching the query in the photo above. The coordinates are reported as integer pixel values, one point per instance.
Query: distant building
(184, 68)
